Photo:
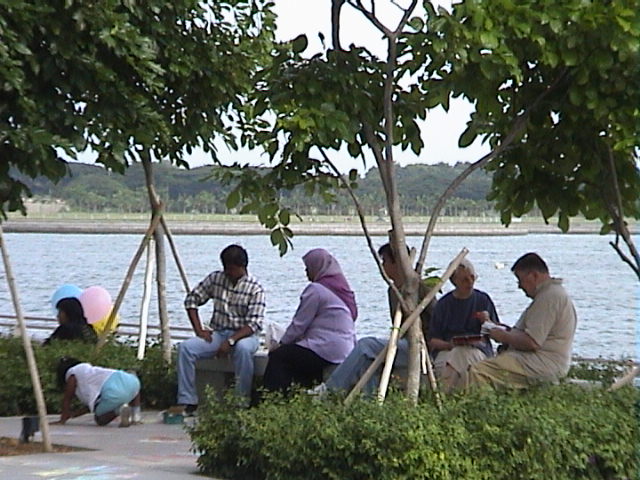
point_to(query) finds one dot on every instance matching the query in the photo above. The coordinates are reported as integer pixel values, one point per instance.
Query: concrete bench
(218, 373)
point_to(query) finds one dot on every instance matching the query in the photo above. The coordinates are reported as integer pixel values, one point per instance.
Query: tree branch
(336, 6)
(625, 258)
(405, 16)
(385, 162)
(443, 199)
(618, 220)
(374, 145)
(365, 229)
(370, 15)
(518, 126)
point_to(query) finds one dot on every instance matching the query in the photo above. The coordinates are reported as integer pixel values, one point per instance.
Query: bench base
(218, 373)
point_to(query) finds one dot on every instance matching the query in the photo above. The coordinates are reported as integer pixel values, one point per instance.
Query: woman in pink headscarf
(322, 331)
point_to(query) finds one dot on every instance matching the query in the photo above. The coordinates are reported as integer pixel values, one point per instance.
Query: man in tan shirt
(538, 347)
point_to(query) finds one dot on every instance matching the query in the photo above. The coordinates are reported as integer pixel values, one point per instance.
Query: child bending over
(106, 392)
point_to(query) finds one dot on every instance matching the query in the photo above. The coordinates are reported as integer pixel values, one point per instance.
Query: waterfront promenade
(348, 226)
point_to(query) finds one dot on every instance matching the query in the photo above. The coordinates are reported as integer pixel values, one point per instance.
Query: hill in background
(92, 188)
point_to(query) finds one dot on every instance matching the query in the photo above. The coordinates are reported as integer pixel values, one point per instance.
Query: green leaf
(547, 207)
(416, 23)
(505, 217)
(270, 222)
(606, 228)
(563, 222)
(489, 40)
(233, 199)
(575, 96)
(354, 149)
(276, 237)
(299, 44)
(272, 149)
(284, 217)
(468, 136)
(570, 57)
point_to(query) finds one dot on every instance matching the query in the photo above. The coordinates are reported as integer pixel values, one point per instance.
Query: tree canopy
(121, 77)
(564, 80)
(573, 68)
(555, 89)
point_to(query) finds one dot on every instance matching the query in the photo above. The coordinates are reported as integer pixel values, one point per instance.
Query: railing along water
(124, 328)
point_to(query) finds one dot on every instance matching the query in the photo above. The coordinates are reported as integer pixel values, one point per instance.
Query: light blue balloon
(65, 291)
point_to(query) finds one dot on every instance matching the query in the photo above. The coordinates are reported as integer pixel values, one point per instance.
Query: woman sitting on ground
(106, 392)
(322, 331)
(72, 324)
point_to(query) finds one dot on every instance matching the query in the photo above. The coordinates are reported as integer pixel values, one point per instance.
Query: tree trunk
(413, 365)
(158, 236)
(161, 273)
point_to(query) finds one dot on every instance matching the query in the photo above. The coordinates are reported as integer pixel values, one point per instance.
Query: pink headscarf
(325, 270)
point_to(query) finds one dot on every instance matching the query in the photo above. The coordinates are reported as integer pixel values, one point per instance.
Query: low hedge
(558, 432)
(16, 393)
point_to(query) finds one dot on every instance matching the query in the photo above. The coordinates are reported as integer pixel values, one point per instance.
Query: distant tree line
(92, 188)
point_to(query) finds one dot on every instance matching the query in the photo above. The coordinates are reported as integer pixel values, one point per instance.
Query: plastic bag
(273, 334)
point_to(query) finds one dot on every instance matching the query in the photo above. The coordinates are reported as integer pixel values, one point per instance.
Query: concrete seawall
(461, 228)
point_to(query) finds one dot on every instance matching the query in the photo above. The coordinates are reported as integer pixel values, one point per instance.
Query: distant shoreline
(347, 228)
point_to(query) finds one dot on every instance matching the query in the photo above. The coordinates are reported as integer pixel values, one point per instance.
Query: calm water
(604, 289)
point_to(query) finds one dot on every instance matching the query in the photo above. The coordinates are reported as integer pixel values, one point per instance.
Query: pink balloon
(96, 303)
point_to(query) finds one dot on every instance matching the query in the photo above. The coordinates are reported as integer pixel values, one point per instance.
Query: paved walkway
(152, 450)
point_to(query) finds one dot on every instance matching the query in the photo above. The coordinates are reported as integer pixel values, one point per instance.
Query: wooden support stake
(146, 300)
(28, 348)
(391, 355)
(431, 374)
(405, 327)
(176, 257)
(127, 279)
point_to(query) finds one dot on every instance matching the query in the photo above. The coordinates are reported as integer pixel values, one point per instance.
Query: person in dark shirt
(72, 323)
(455, 340)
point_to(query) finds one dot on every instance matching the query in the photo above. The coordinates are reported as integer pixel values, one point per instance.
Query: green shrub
(605, 372)
(16, 395)
(559, 432)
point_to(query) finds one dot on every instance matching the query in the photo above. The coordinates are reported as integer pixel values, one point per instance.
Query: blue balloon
(65, 291)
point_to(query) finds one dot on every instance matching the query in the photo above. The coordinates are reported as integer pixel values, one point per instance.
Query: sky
(440, 130)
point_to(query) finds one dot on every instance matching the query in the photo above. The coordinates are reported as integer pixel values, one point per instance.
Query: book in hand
(488, 326)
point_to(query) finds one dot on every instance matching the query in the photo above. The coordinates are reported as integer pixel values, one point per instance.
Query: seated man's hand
(224, 350)
(205, 335)
(488, 326)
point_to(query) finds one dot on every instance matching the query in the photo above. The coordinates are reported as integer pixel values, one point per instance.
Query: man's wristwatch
(231, 341)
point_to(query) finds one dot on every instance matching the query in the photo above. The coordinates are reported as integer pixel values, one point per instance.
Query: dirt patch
(11, 446)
